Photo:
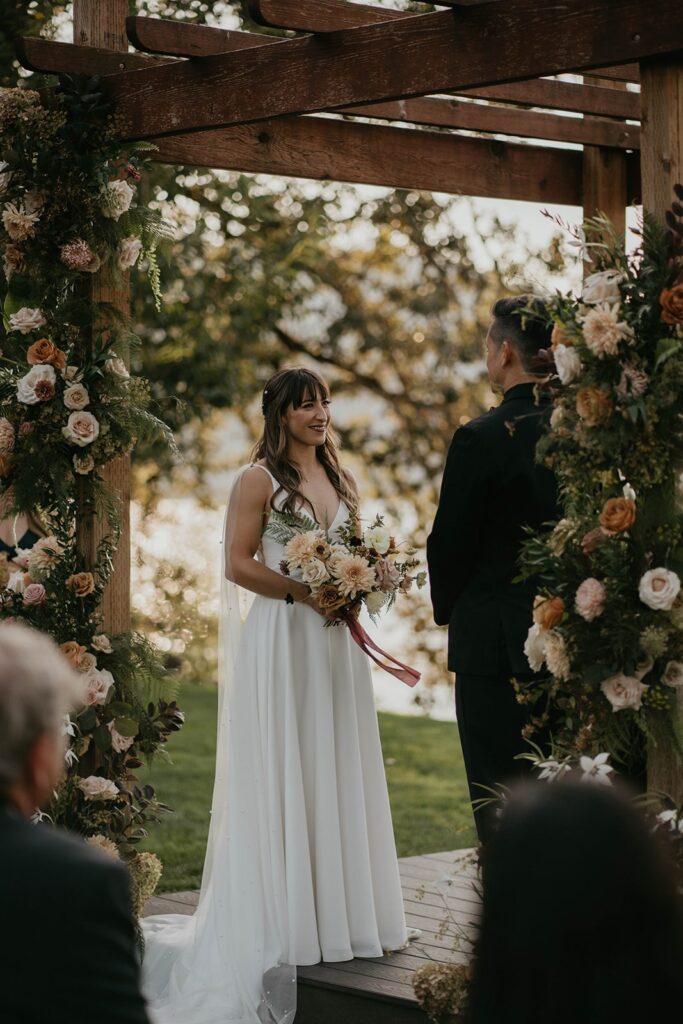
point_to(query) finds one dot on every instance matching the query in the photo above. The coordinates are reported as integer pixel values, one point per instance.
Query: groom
(492, 488)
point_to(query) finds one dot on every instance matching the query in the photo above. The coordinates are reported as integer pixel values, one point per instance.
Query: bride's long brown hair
(287, 388)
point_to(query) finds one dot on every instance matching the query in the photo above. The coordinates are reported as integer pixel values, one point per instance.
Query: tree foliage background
(381, 290)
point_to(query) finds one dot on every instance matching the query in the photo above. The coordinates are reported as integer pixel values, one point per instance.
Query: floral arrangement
(68, 406)
(608, 619)
(362, 567)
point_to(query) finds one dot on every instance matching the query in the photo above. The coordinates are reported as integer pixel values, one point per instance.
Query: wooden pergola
(455, 100)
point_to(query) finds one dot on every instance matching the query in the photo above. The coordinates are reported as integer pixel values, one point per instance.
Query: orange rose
(45, 351)
(73, 651)
(82, 583)
(560, 337)
(5, 464)
(548, 611)
(4, 570)
(671, 301)
(618, 514)
(594, 406)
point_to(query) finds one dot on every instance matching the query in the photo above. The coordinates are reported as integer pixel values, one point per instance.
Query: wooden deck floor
(440, 892)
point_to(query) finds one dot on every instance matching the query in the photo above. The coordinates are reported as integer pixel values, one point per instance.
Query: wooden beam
(662, 168)
(44, 55)
(546, 92)
(179, 39)
(50, 57)
(621, 73)
(101, 23)
(446, 51)
(334, 15)
(327, 149)
(479, 117)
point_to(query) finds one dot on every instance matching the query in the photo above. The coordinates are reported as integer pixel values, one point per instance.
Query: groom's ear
(507, 352)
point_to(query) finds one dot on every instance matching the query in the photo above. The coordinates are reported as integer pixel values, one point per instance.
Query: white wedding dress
(301, 862)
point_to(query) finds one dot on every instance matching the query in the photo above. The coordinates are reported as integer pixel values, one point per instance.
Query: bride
(301, 862)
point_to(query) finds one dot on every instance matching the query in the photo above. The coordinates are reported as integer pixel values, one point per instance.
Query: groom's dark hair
(522, 320)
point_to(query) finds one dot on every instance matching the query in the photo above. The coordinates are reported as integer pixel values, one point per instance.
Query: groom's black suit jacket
(67, 931)
(492, 487)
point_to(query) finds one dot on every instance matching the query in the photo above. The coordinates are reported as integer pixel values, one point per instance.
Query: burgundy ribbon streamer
(406, 674)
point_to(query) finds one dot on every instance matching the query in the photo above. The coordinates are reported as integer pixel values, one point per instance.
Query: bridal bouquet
(360, 567)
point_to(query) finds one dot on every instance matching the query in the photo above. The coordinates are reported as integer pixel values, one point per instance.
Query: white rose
(623, 691)
(602, 287)
(534, 648)
(26, 385)
(128, 252)
(119, 743)
(314, 572)
(556, 417)
(101, 642)
(659, 588)
(82, 428)
(26, 320)
(379, 538)
(97, 788)
(71, 373)
(673, 674)
(375, 601)
(116, 198)
(567, 363)
(76, 397)
(116, 366)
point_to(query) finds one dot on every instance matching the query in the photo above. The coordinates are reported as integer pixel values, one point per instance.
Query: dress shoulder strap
(274, 480)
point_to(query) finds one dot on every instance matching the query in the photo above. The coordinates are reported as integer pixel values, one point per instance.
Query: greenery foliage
(609, 618)
(68, 406)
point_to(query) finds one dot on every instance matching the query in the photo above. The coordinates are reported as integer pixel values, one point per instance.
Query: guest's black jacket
(68, 940)
(492, 487)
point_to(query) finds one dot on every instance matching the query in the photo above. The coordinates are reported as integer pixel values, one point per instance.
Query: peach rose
(81, 583)
(34, 593)
(548, 611)
(329, 598)
(560, 337)
(594, 406)
(72, 651)
(671, 301)
(618, 514)
(592, 540)
(45, 351)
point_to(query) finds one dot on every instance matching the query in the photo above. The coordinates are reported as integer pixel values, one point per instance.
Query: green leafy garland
(608, 621)
(68, 406)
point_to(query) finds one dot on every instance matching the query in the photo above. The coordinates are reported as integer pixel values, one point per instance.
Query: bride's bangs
(307, 386)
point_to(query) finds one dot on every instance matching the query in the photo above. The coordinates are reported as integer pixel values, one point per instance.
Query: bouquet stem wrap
(407, 675)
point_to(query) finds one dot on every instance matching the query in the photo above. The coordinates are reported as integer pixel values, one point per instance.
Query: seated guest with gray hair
(67, 925)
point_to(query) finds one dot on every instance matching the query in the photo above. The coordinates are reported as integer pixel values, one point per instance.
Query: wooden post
(662, 168)
(605, 188)
(103, 23)
(605, 178)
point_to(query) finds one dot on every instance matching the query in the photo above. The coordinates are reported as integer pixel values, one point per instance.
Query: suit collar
(519, 391)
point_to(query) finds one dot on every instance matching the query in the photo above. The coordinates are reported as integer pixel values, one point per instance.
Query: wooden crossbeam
(53, 57)
(334, 15)
(162, 35)
(328, 149)
(446, 51)
(496, 120)
(554, 95)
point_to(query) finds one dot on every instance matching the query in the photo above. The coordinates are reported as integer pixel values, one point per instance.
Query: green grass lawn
(424, 768)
